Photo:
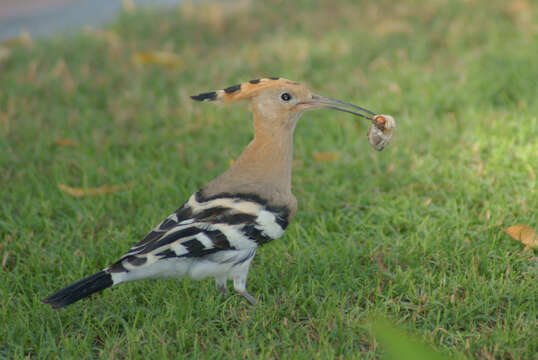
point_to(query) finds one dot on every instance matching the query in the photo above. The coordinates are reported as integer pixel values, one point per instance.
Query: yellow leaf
(325, 156)
(523, 233)
(102, 190)
(66, 142)
(163, 58)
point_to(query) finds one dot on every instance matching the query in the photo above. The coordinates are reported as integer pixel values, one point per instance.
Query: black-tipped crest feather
(208, 96)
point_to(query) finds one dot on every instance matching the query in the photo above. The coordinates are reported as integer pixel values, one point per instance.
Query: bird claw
(249, 298)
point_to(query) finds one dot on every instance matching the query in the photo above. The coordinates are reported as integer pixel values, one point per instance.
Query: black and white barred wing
(205, 226)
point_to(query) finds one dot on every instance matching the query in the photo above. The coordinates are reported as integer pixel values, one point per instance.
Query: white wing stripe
(235, 236)
(244, 206)
(177, 247)
(205, 240)
(268, 224)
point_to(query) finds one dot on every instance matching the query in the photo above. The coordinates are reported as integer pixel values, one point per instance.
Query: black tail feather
(79, 290)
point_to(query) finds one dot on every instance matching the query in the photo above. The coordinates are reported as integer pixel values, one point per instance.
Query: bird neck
(264, 167)
(269, 156)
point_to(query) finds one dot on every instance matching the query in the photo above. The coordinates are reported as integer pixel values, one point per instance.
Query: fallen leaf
(5, 53)
(531, 172)
(61, 71)
(524, 234)
(66, 142)
(24, 39)
(325, 156)
(158, 58)
(109, 36)
(231, 162)
(395, 88)
(4, 259)
(102, 190)
(128, 6)
(209, 164)
(393, 27)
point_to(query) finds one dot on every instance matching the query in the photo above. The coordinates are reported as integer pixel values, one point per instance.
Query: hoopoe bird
(217, 231)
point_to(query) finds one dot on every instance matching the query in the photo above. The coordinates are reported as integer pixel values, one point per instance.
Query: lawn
(413, 233)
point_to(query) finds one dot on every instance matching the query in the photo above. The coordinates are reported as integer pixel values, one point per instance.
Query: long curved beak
(319, 102)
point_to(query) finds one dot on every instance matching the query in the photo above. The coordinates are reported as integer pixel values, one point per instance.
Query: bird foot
(222, 289)
(249, 298)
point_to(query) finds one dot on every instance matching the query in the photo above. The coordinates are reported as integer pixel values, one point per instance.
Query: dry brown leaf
(393, 27)
(128, 6)
(24, 39)
(5, 53)
(523, 233)
(4, 259)
(61, 71)
(163, 58)
(102, 190)
(66, 142)
(325, 156)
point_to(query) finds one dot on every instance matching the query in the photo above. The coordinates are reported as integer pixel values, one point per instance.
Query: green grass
(413, 233)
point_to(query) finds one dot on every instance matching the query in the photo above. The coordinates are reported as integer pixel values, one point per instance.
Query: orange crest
(242, 91)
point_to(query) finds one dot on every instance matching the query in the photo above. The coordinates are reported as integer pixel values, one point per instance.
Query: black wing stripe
(282, 221)
(235, 219)
(219, 240)
(166, 254)
(152, 236)
(211, 213)
(167, 224)
(190, 231)
(255, 234)
(201, 227)
(184, 213)
(136, 261)
(196, 249)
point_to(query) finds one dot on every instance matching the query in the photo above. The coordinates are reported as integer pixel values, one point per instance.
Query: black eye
(285, 97)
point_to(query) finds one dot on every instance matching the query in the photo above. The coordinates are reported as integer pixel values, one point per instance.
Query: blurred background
(49, 17)
(99, 140)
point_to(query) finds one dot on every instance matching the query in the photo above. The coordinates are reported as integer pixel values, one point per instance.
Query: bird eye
(285, 97)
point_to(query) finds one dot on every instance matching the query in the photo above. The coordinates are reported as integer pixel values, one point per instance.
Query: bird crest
(242, 91)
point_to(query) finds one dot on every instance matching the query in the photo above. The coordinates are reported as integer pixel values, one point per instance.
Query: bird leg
(250, 298)
(240, 286)
(221, 284)
(239, 275)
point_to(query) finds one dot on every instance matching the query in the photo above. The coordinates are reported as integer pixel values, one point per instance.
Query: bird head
(280, 101)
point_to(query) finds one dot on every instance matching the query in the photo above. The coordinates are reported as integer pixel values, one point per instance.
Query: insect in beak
(380, 132)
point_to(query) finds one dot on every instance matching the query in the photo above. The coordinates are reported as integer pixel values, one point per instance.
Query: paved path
(45, 17)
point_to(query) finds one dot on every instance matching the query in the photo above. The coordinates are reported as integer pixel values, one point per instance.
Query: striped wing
(204, 226)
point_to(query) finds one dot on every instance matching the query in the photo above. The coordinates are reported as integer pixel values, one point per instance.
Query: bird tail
(79, 290)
